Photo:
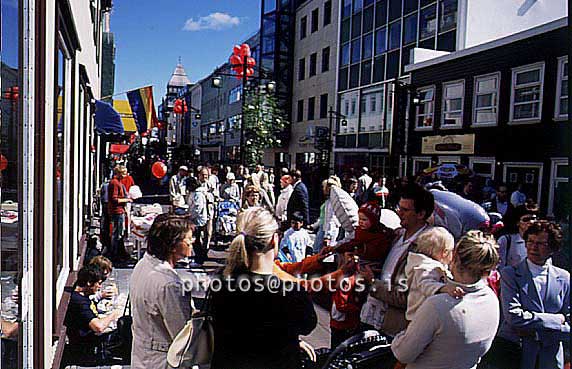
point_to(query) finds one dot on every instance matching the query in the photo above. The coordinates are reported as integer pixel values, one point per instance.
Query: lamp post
(330, 147)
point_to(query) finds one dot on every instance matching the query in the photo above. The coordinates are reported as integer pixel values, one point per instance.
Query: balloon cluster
(180, 106)
(239, 53)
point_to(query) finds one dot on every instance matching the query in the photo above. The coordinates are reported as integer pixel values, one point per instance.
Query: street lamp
(331, 115)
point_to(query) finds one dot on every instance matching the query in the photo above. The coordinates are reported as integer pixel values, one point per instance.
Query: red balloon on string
(250, 62)
(244, 50)
(3, 162)
(235, 59)
(236, 50)
(159, 169)
(249, 72)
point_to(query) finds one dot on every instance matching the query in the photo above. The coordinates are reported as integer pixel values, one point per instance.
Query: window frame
(496, 106)
(311, 114)
(315, 20)
(300, 111)
(432, 126)
(557, 116)
(514, 72)
(443, 104)
(420, 159)
(325, 59)
(313, 67)
(327, 19)
(484, 160)
(303, 27)
(301, 69)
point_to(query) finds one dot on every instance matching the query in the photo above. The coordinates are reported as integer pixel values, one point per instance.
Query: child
(295, 241)
(105, 265)
(427, 268)
(372, 239)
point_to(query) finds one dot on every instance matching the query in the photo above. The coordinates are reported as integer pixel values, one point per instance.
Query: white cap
(230, 176)
(184, 167)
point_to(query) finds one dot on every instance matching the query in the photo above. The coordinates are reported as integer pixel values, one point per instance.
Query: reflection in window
(410, 29)
(345, 30)
(380, 13)
(269, 6)
(379, 69)
(348, 103)
(267, 45)
(447, 15)
(347, 8)
(380, 41)
(453, 96)
(354, 76)
(366, 73)
(427, 23)
(345, 54)
(59, 167)
(367, 46)
(372, 110)
(356, 51)
(356, 25)
(368, 19)
(394, 35)
(425, 108)
(358, 4)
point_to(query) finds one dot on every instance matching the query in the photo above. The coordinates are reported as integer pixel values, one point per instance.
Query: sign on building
(452, 144)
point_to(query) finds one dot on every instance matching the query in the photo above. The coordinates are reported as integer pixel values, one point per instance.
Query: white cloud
(215, 21)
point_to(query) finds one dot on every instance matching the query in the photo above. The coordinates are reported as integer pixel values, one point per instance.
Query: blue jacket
(299, 201)
(534, 321)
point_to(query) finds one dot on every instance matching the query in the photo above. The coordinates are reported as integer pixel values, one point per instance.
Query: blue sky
(151, 35)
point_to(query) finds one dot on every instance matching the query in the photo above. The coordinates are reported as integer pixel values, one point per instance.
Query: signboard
(453, 144)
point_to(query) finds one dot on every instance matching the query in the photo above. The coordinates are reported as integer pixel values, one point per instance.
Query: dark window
(367, 46)
(447, 15)
(428, 44)
(301, 69)
(356, 25)
(394, 9)
(379, 69)
(368, 19)
(427, 23)
(345, 54)
(343, 82)
(367, 3)
(311, 108)
(358, 4)
(327, 12)
(394, 35)
(447, 41)
(315, 20)
(313, 62)
(347, 8)
(303, 26)
(345, 32)
(381, 13)
(393, 64)
(324, 106)
(325, 59)
(406, 56)
(410, 6)
(410, 29)
(356, 51)
(366, 73)
(300, 113)
(354, 76)
(380, 41)
(426, 2)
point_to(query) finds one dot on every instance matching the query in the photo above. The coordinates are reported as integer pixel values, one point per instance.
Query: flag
(107, 119)
(124, 110)
(141, 101)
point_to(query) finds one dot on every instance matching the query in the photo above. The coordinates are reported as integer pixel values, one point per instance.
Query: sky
(150, 36)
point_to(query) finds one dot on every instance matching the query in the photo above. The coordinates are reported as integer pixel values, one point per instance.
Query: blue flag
(107, 119)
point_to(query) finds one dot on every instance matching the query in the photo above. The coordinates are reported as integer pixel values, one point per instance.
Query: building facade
(501, 110)
(50, 77)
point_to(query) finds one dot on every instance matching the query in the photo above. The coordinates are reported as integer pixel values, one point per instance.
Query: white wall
(487, 20)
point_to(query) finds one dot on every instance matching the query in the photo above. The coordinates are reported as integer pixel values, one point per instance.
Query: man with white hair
(363, 184)
(178, 190)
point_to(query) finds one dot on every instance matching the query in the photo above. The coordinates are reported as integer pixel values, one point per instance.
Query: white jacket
(178, 190)
(282, 202)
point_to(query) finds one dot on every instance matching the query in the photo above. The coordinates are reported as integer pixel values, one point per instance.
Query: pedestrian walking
(282, 202)
(117, 200)
(178, 190)
(299, 199)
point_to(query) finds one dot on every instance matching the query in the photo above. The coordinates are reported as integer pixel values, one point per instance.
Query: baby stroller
(225, 225)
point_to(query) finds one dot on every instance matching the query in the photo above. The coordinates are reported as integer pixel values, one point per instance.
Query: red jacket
(346, 306)
(116, 191)
(371, 245)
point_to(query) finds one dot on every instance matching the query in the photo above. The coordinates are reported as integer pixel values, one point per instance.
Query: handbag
(116, 346)
(194, 344)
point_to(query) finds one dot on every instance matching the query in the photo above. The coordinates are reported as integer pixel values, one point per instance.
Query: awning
(107, 120)
(118, 149)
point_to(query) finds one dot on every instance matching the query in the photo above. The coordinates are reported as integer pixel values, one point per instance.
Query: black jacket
(299, 201)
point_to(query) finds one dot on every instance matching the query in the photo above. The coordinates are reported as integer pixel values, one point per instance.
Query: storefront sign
(453, 144)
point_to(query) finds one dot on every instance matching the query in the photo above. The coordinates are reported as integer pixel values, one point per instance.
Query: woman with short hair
(159, 305)
(449, 332)
(257, 318)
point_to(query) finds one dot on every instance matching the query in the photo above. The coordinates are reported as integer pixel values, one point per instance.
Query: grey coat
(160, 309)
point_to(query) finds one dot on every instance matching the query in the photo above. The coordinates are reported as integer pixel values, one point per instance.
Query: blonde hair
(256, 227)
(119, 169)
(434, 242)
(102, 263)
(476, 252)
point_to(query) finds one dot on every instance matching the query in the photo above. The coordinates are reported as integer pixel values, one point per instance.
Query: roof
(179, 77)
(551, 26)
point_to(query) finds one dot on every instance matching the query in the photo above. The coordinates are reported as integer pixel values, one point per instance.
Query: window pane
(366, 73)
(394, 9)
(428, 43)
(343, 82)
(367, 3)
(448, 15)
(367, 46)
(315, 19)
(410, 29)
(526, 111)
(427, 23)
(564, 88)
(453, 104)
(368, 19)
(269, 6)
(485, 100)
(379, 69)
(327, 13)
(358, 4)
(530, 76)
(356, 25)
(486, 116)
(345, 31)
(452, 119)
(489, 84)
(324, 106)
(325, 59)
(59, 167)
(406, 56)
(356, 51)
(409, 6)
(394, 35)
(347, 8)
(300, 112)
(527, 94)
(454, 90)
(447, 41)
(311, 107)
(345, 54)
(565, 69)
(392, 64)
(381, 13)
(380, 41)
(354, 76)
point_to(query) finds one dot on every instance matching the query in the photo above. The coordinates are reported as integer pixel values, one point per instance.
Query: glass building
(376, 42)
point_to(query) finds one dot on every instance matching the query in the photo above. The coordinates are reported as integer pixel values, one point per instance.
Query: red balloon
(244, 50)
(235, 60)
(236, 50)
(159, 169)
(250, 62)
(177, 109)
(3, 162)
(249, 71)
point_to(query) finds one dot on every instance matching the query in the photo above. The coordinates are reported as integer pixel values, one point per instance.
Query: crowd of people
(463, 294)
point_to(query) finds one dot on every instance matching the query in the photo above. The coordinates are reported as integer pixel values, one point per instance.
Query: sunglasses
(528, 218)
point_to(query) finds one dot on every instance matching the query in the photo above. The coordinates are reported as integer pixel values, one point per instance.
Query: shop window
(561, 110)
(453, 97)
(425, 109)
(485, 100)
(526, 95)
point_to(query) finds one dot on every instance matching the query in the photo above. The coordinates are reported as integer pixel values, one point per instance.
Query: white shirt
(539, 276)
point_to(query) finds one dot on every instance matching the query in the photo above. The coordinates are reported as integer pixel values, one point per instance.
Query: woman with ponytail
(257, 318)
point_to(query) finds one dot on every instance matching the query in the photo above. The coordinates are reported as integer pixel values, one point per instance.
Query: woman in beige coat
(159, 305)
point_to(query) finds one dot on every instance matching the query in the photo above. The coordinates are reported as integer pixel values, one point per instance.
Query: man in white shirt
(363, 184)
(385, 306)
(178, 189)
